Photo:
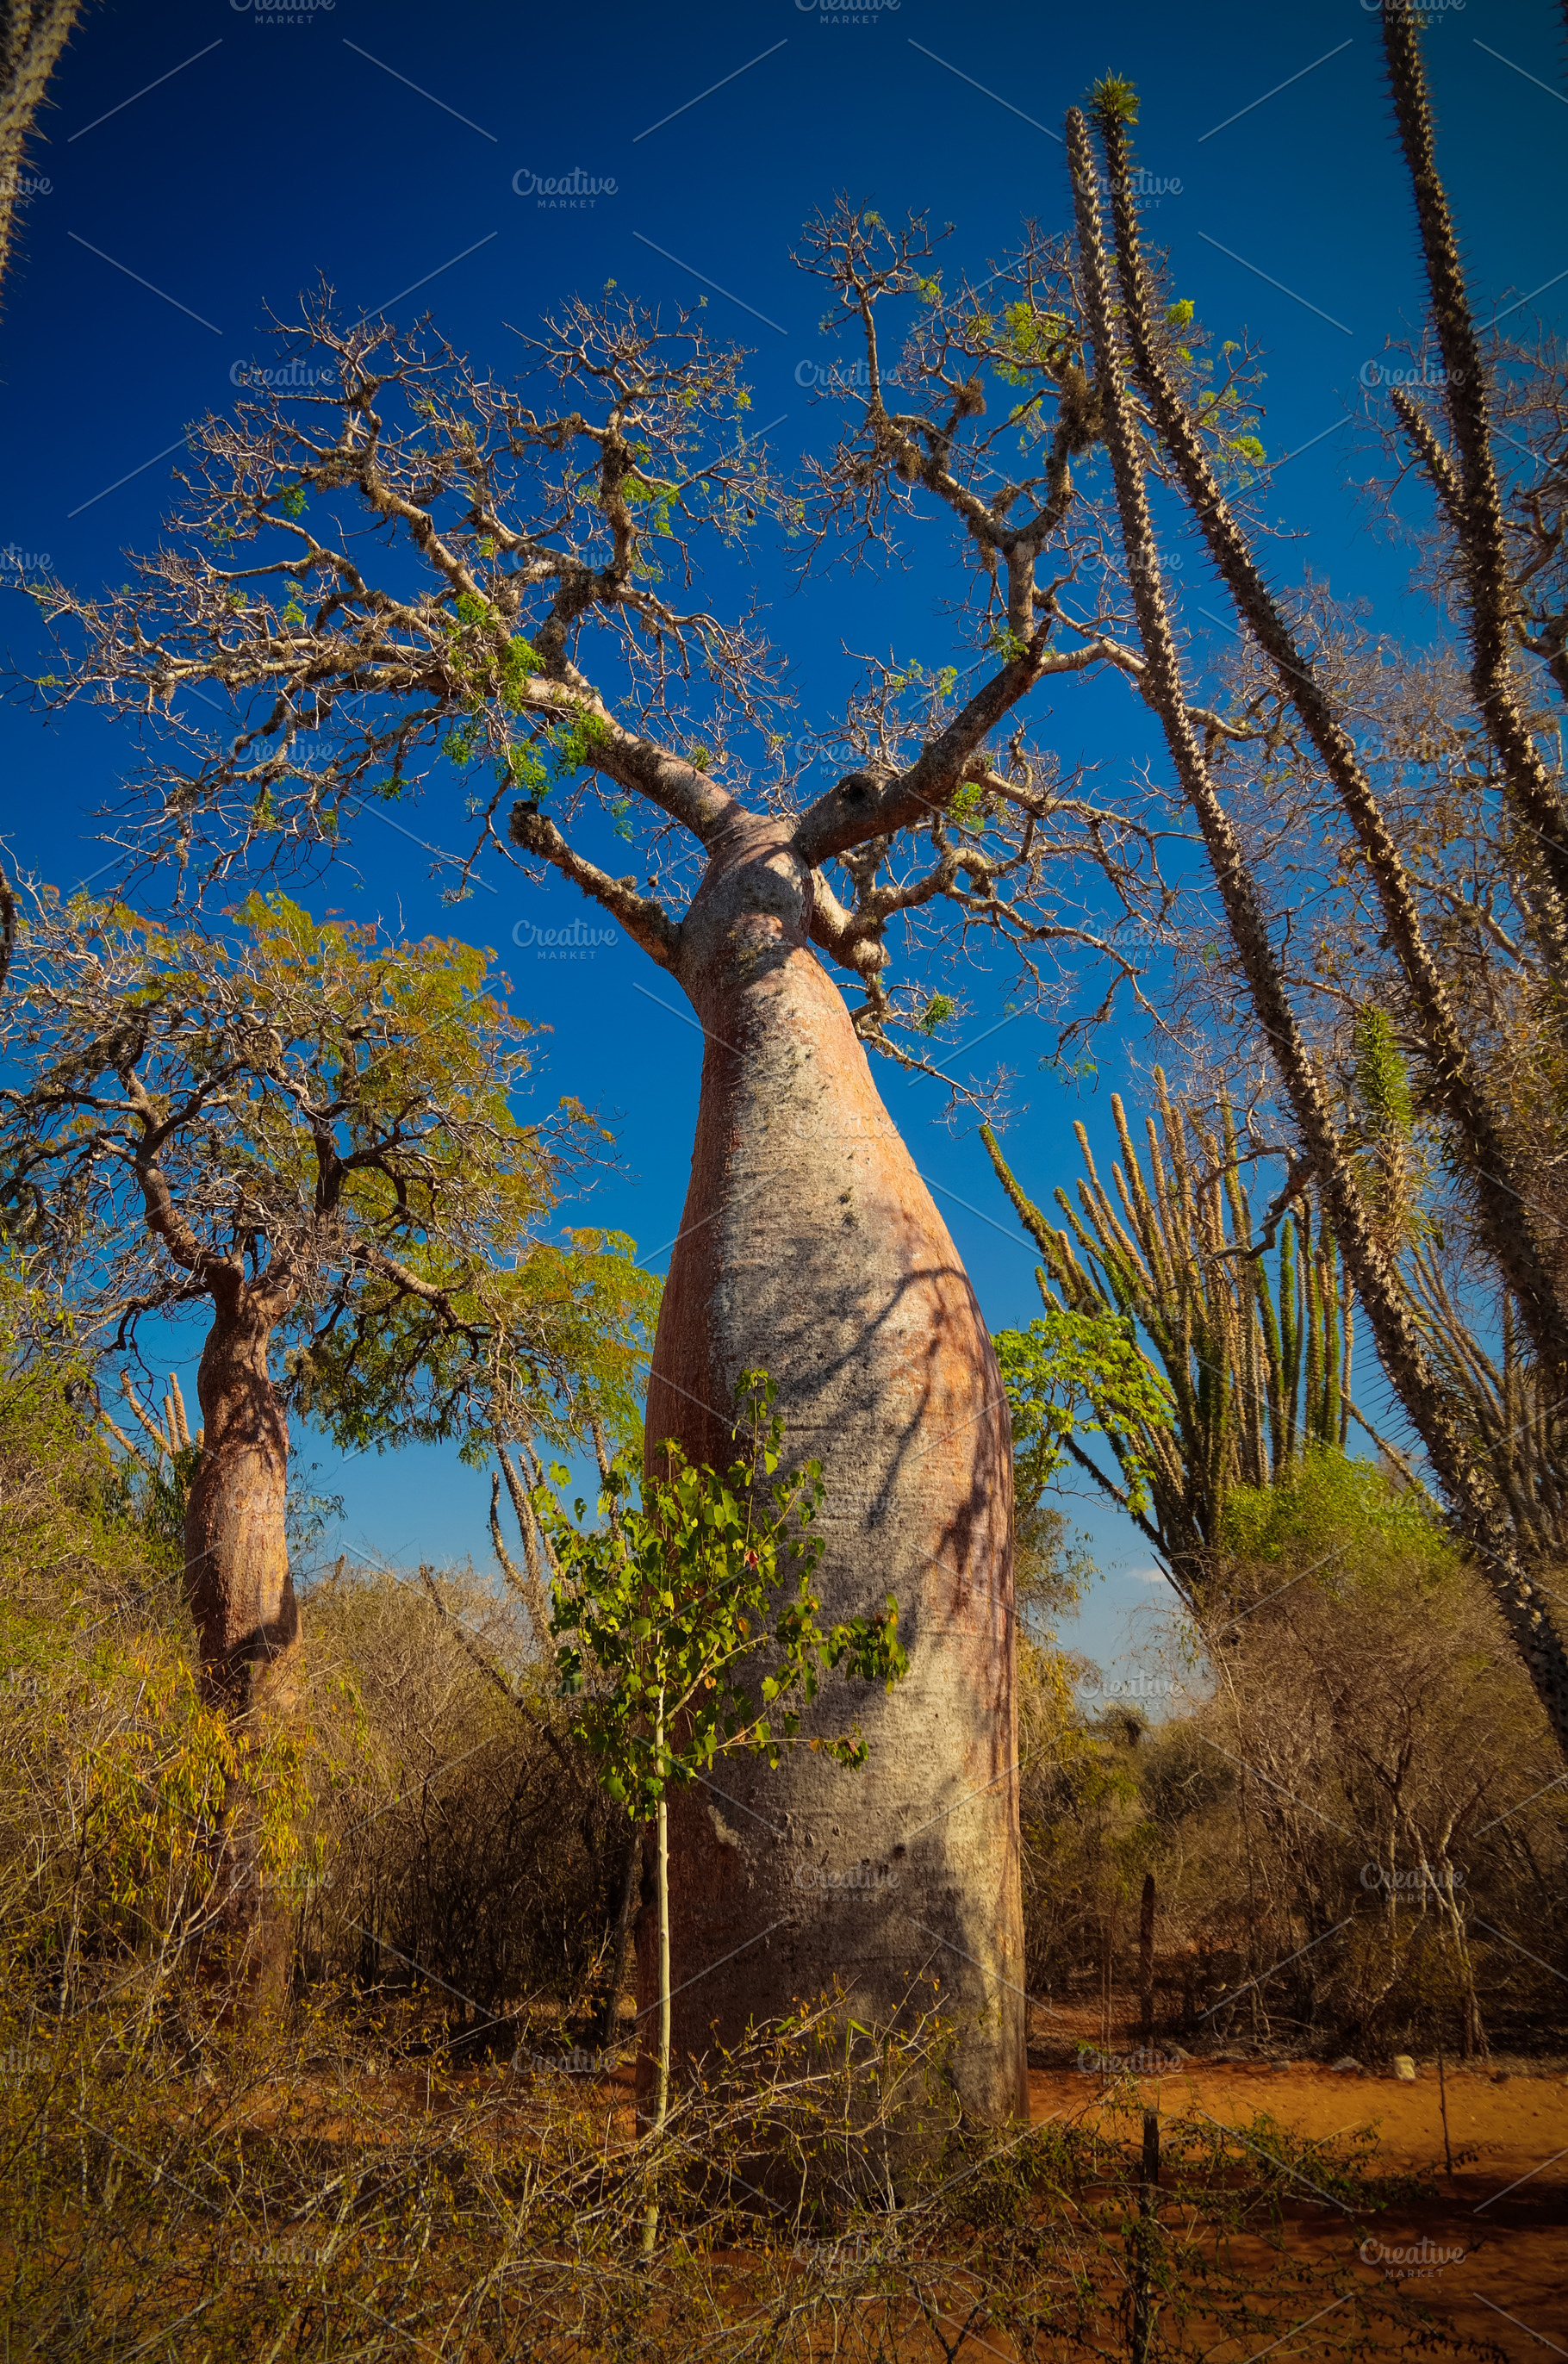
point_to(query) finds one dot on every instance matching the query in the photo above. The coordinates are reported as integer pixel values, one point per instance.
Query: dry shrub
(427, 1819)
(1360, 1777)
(181, 2177)
(246, 2194)
(462, 1837)
(1086, 1836)
(1084, 1831)
(114, 1771)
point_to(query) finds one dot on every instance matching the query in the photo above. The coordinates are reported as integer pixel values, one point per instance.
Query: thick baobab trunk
(236, 1570)
(811, 1248)
(242, 1597)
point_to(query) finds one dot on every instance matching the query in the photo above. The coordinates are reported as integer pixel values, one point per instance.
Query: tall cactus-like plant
(1257, 1363)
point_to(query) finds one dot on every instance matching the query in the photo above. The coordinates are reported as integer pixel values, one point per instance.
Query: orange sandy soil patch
(1504, 2210)
(1501, 2217)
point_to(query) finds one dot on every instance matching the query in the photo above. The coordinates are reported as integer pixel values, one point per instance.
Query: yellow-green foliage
(1329, 1501)
(421, 1209)
(114, 1772)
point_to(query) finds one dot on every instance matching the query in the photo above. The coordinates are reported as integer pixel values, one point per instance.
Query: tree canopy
(542, 626)
(305, 1106)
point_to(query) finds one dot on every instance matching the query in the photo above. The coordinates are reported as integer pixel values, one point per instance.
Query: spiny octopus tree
(407, 560)
(1506, 1160)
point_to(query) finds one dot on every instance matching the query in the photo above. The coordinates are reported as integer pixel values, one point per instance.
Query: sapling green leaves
(663, 1605)
(657, 1611)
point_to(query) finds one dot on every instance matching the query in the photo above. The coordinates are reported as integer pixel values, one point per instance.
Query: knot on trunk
(856, 790)
(528, 828)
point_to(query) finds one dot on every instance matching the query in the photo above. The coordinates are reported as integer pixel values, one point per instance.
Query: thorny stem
(1469, 1490)
(1483, 540)
(1490, 1163)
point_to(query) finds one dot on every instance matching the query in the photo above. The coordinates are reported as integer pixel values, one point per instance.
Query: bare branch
(643, 917)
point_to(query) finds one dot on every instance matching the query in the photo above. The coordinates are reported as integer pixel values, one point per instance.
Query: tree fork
(1470, 1494)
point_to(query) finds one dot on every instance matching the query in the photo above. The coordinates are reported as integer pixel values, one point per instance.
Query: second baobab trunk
(242, 1597)
(237, 1569)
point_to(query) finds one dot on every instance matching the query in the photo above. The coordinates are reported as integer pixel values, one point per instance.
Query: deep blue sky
(283, 153)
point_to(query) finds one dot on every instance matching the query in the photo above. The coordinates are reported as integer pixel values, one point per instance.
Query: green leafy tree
(311, 1133)
(669, 1634)
(1076, 1370)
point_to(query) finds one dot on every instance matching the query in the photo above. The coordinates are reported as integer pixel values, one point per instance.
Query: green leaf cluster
(688, 1625)
(334, 1104)
(1081, 1370)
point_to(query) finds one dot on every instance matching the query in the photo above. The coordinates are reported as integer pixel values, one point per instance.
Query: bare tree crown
(387, 560)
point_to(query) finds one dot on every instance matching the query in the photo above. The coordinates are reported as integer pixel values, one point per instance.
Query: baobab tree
(308, 1134)
(541, 634)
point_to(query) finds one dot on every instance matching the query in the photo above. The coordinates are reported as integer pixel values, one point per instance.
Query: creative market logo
(575, 942)
(1136, 1686)
(293, 373)
(1418, 1881)
(842, 377)
(282, 11)
(1372, 375)
(1417, 2262)
(573, 192)
(865, 1879)
(1145, 2062)
(847, 12)
(578, 2062)
(1146, 188)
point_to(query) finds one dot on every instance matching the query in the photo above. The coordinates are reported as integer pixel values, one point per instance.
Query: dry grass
(174, 2187)
(186, 2175)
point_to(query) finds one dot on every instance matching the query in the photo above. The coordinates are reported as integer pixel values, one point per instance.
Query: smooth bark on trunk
(236, 1570)
(242, 1597)
(810, 1247)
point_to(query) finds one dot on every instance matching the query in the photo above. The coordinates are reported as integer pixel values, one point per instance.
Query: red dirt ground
(1505, 2208)
(1502, 2214)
